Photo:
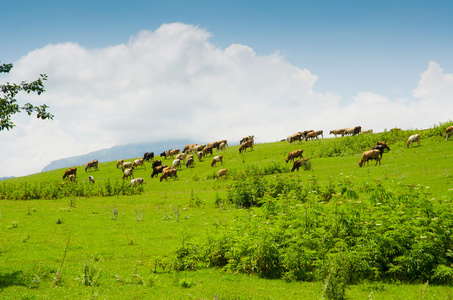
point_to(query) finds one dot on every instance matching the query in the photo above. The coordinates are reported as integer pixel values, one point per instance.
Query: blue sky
(299, 64)
(372, 45)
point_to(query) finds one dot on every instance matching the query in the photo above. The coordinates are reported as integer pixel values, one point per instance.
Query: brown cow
(245, 145)
(169, 172)
(70, 171)
(370, 155)
(216, 159)
(222, 172)
(298, 163)
(293, 154)
(92, 164)
(448, 132)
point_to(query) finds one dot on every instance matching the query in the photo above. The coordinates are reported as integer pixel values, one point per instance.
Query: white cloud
(173, 83)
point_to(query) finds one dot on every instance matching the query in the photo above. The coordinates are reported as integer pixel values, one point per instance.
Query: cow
(357, 130)
(199, 155)
(412, 139)
(148, 155)
(177, 164)
(247, 138)
(91, 179)
(172, 153)
(128, 173)
(222, 172)
(367, 131)
(337, 132)
(298, 163)
(164, 154)
(348, 131)
(137, 181)
(139, 162)
(206, 150)
(222, 146)
(92, 164)
(72, 178)
(448, 132)
(295, 137)
(119, 163)
(156, 163)
(169, 172)
(245, 145)
(181, 156)
(370, 155)
(126, 165)
(381, 148)
(70, 171)
(216, 159)
(214, 145)
(190, 162)
(157, 170)
(304, 134)
(188, 147)
(293, 154)
(311, 135)
(319, 133)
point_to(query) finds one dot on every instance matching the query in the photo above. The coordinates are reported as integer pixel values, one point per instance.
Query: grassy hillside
(306, 234)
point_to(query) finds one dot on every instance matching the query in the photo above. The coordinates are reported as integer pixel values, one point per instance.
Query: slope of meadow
(333, 230)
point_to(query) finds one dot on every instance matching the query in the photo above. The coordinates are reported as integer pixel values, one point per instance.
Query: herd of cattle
(187, 156)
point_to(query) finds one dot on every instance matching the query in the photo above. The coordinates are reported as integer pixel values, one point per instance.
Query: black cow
(148, 155)
(157, 163)
(381, 149)
(357, 130)
(157, 170)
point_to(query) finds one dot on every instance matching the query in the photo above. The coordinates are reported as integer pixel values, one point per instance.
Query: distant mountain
(116, 152)
(3, 178)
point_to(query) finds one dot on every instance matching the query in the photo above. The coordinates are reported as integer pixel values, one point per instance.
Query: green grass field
(190, 239)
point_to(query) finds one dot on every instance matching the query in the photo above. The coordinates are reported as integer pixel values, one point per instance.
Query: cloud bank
(174, 83)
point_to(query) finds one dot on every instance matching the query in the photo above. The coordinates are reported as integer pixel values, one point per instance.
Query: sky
(123, 72)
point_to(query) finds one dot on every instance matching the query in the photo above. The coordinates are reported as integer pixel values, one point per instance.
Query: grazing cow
(320, 133)
(72, 178)
(139, 162)
(169, 172)
(157, 170)
(357, 130)
(304, 134)
(214, 145)
(126, 165)
(92, 164)
(172, 153)
(222, 172)
(156, 163)
(293, 154)
(128, 173)
(381, 148)
(70, 171)
(137, 181)
(348, 131)
(188, 147)
(199, 148)
(177, 164)
(190, 162)
(200, 155)
(148, 155)
(225, 142)
(206, 150)
(367, 131)
(164, 154)
(370, 155)
(119, 163)
(247, 138)
(412, 139)
(222, 146)
(337, 132)
(295, 137)
(91, 179)
(311, 135)
(448, 132)
(216, 159)
(181, 156)
(298, 163)
(245, 145)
